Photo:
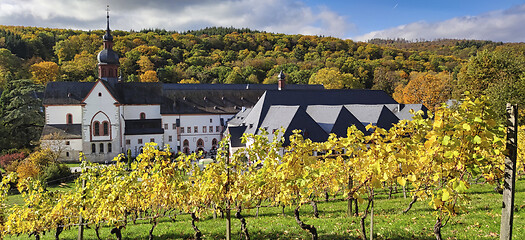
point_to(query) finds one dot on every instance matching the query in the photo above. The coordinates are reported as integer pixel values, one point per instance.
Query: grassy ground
(481, 221)
(18, 199)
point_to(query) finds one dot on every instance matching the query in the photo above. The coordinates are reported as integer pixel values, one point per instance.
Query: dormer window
(142, 115)
(69, 118)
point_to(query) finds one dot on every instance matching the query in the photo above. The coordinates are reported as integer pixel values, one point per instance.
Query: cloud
(283, 16)
(502, 25)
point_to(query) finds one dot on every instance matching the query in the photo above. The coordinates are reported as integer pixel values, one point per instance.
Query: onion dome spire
(108, 60)
(107, 36)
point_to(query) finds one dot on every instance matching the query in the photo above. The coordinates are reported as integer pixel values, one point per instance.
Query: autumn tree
(499, 74)
(44, 72)
(149, 76)
(145, 64)
(429, 88)
(80, 68)
(332, 78)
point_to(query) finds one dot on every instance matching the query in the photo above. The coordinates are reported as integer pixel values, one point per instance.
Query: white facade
(196, 132)
(133, 112)
(59, 114)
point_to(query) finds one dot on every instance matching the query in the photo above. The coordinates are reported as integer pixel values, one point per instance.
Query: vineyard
(434, 159)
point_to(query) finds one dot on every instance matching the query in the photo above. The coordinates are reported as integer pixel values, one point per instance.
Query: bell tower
(108, 60)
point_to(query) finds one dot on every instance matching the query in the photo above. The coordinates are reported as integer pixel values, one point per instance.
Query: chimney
(282, 82)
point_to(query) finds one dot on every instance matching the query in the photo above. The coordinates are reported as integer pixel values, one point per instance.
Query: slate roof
(203, 86)
(334, 119)
(63, 93)
(291, 118)
(208, 101)
(139, 93)
(315, 97)
(174, 98)
(377, 115)
(402, 111)
(239, 117)
(68, 131)
(143, 126)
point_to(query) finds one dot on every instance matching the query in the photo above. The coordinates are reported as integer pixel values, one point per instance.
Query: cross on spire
(107, 16)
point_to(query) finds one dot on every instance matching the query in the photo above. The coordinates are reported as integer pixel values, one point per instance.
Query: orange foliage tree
(428, 88)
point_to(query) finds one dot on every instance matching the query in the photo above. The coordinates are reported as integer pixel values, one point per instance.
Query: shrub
(54, 172)
(8, 159)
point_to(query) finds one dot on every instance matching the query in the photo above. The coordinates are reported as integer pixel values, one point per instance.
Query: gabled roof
(291, 118)
(315, 97)
(64, 93)
(67, 131)
(334, 119)
(377, 115)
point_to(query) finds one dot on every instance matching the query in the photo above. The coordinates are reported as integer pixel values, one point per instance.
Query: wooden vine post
(80, 220)
(228, 204)
(507, 209)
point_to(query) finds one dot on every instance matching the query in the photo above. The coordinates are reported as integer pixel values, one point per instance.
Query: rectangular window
(152, 140)
(211, 129)
(204, 129)
(67, 143)
(166, 126)
(189, 129)
(174, 126)
(217, 129)
(181, 130)
(211, 120)
(140, 141)
(196, 129)
(128, 142)
(110, 147)
(170, 139)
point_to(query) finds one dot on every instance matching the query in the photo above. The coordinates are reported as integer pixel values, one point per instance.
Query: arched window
(93, 148)
(200, 143)
(109, 147)
(214, 142)
(186, 143)
(142, 115)
(102, 148)
(105, 128)
(69, 118)
(96, 128)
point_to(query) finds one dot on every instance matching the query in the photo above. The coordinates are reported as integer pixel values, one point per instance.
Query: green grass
(19, 200)
(72, 164)
(481, 221)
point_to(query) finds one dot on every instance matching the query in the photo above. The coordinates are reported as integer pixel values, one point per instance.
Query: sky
(501, 20)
